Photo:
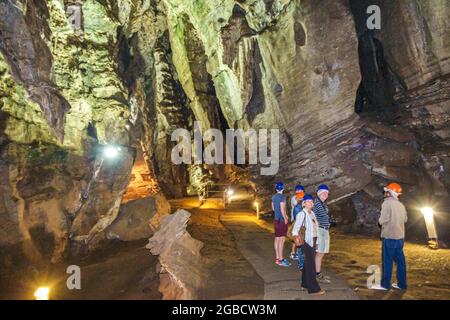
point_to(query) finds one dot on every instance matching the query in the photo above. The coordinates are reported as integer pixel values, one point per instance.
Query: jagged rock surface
(132, 71)
(181, 273)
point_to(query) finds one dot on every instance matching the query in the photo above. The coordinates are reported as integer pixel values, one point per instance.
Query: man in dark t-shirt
(281, 224)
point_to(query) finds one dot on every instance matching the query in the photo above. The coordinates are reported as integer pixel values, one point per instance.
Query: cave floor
(120, 271)
(231, 276)
(428, 270)
(238, 253)
(243, 268)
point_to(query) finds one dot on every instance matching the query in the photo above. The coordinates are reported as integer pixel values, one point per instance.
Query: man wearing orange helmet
(392, 220)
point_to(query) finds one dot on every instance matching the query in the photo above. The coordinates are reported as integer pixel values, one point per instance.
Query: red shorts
(281, 228)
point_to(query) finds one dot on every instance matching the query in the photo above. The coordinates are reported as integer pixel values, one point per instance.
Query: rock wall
(63, 95)
(298, 66)
(355, 108)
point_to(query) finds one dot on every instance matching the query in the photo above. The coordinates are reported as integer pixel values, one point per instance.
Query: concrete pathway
(256, 244)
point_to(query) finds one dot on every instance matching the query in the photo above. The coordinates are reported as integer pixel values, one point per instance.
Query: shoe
(395, 286)
(285, 263)
(323, 279)
(294, 256)
(282, 262)
(321, 292)
(378, 287)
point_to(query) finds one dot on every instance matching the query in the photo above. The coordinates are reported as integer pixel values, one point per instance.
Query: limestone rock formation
(138, 219)
(182, 273)
(355, 108)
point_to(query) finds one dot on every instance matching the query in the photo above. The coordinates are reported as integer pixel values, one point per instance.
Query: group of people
(310, 225)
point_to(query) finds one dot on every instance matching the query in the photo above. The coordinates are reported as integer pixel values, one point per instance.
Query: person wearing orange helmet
(296, 207)
(392, 221)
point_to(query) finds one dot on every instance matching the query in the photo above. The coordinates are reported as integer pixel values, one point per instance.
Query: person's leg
(400, 261)
(294, 248)
(282, 240)
(309, 270)
(277, 239)
(280, 252)
(301, 258)
(304, 283)
(277, 254)
(318, 259)
(387, 253)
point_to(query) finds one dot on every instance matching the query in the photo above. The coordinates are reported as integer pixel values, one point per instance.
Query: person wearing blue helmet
(323, 236)
(305, 234)
(280, 223)
(296, 207)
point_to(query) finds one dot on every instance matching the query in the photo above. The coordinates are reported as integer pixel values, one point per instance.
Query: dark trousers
(309, 280)
(392, 250)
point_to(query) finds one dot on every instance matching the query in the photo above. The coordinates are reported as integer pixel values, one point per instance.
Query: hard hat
(300, 195)
(279, 186)
(308, 197)
(299, 188)
(395, 187)
(323, 187)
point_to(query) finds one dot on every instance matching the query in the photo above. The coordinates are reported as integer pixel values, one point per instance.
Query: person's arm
(283, 212)
(385, 216)
(273, 209)
(297, 224)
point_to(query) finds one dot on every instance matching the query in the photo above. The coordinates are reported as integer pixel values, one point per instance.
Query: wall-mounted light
(256, 204)
(428, 215)
(110, 151)
(230, 192)
(42, 293)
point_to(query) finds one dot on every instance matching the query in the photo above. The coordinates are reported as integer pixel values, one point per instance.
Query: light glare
(42, 293)
(111, 152)
(428, 214)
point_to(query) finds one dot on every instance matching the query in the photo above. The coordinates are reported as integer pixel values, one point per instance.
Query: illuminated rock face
(62, 94)
(75, 76)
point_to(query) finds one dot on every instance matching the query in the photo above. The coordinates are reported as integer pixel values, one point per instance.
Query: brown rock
(138, 219)
(179, 256)
(395, 133)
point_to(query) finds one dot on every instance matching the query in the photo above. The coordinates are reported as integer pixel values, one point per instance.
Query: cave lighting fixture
(111, 152)
(428, 215)
(42, 293)
(256, 204)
